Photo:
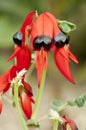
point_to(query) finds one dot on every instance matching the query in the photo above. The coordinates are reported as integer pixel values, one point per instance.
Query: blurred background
(12, 15)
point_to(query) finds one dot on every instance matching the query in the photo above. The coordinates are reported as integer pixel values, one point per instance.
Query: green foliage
(33, 123)
(58, 105)
(79, 101)
(66, 26)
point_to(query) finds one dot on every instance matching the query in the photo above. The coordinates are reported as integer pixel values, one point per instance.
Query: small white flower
(18, 77)
(12, 81)
(55, 115)
(21, 73)
(20, 82)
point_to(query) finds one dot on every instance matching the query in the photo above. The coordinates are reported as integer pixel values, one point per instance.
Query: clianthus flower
(26, 103)
(45, 36)
(25, 93)
(8, 79)
(22, 55)
(21, 50)
(69, 124)
(23, 58)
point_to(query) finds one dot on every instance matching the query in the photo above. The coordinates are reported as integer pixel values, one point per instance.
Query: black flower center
(17, 38)
(60, 40)
(42, 41)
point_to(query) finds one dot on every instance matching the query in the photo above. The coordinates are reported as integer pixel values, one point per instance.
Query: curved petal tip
(62, 62)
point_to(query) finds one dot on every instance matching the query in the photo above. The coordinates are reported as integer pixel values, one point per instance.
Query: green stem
(62, 107)
(55, 125)
(38, 98)
(43, 117)
(18, 105)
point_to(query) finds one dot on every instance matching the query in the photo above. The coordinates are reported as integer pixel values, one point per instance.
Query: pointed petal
(26, 105)
(63, 63)
(32, 100)
(69, 123)
(0, 105)
(6, 78)
(23, 58)
(28, 21)
(27, 88)
(16, 51)
(72, 57)
(13, 72)
(41, 64)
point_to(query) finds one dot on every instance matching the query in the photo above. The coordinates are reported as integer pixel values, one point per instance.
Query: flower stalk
(18, 104)
(38, 98)
(55, 124)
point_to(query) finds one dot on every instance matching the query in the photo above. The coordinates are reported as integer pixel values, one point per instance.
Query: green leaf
(56, 104)
(84, 96)
(80, 101)
(66, 26)
(71, 103)
(34, 123)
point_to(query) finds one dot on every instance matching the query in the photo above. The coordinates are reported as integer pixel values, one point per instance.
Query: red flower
(41, 63)
(26, 103)
(19, 37)
(62, 61)
(21, 50)
(27, 22)
(46, 35)
(5, 81)
(23, 57)
(69, 123)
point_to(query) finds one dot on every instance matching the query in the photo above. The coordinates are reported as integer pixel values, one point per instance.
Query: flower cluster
(45, 35)
(65, 121)
(22, 55)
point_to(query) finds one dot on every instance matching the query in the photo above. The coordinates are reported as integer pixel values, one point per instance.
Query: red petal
(4, 81)
(72, 57)
(43, 25)
(27, 21)
(32, 100)
(6, 78)
(13, 72)
(0, 105)
(63, 63)
(28, 88)
(26, 105)
(41, 64)
(23, 57)
(70, 122)
(17, 50)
